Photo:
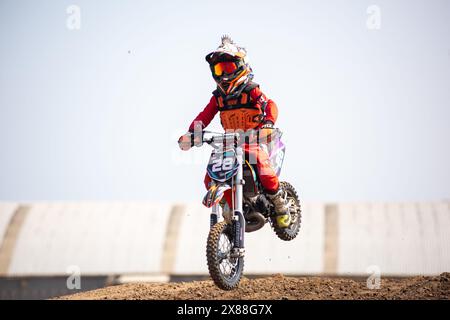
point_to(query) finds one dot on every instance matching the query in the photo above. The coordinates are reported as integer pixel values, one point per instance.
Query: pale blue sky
(94, 114)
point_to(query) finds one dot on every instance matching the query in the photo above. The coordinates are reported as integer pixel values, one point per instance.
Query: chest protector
(240, 113)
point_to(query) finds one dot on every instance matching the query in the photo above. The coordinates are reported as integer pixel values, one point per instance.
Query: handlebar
(212, 138)
(218, 137)
(228, 138)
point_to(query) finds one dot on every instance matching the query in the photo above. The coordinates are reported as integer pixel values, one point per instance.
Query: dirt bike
(251, 209)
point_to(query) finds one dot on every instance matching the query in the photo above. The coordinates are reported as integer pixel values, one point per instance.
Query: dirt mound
(280, 287)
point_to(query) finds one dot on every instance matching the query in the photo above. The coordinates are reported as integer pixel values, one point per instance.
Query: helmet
(230, 68)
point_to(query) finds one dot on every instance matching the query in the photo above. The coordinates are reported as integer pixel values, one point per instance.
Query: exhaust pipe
(254, 221)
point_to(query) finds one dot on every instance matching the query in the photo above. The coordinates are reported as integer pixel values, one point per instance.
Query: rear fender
(215, 194)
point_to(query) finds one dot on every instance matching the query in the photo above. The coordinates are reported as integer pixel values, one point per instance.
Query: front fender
(215, 194)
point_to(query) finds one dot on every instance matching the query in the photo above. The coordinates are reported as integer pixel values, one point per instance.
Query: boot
(283, 216)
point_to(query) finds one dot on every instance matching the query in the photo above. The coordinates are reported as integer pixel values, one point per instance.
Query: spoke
(222, 269)
(225, 268)
(227, 265)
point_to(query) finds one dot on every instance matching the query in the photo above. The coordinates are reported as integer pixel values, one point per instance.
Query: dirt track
(280, 287)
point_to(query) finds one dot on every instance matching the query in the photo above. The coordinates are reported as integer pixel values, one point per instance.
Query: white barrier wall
(165, 239)
(99, 238)
(191, 243)
(398, 238)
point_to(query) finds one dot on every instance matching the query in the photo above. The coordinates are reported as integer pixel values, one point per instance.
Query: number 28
(222, 164)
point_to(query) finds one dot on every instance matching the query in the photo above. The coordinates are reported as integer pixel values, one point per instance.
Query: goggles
(227, 67)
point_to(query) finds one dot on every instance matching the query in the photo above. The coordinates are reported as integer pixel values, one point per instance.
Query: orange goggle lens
(227, 67)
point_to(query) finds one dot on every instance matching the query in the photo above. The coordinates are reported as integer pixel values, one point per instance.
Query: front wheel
(225, 270)
(290, 232)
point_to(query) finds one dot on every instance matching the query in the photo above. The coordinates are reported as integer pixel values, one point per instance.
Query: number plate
(222, 165)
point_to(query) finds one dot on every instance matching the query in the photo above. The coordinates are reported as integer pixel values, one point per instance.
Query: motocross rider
(242, 106)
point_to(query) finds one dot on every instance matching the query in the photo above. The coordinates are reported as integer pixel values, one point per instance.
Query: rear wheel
(290, 232)
(225, 270)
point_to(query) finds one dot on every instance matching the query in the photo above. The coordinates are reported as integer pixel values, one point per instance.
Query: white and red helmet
(229, 66)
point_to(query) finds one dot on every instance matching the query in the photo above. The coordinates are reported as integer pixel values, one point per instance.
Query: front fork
(214, 214)
(238, 216)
